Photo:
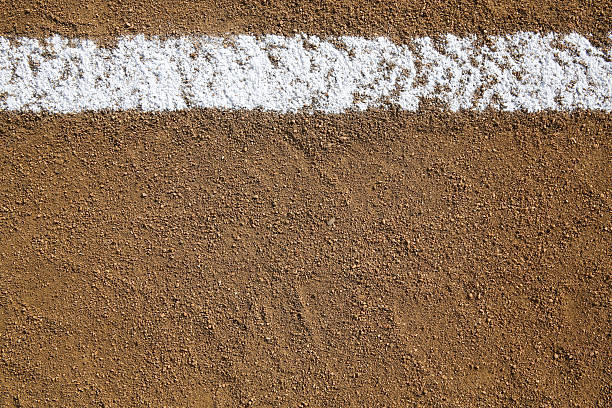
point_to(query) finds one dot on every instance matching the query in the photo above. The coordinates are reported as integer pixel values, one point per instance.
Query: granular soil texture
(215, 259)
(398, 19)
(208, 258)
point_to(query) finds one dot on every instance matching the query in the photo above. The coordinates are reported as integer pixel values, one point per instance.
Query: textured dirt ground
(378, 259)
(398, 19)
(214, 259)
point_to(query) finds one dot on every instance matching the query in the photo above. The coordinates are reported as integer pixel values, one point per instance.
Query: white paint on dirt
(524, 71)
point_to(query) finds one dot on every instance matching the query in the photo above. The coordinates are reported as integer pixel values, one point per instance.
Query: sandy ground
(221, 259)
(397, 19)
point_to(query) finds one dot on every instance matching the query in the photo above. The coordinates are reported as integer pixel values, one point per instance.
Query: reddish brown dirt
(398, 19)
(234, 259)
(211, 259)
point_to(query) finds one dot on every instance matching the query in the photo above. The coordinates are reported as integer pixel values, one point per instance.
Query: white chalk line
(523, 71)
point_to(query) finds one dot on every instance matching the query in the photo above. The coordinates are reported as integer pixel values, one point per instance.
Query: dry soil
(222, 259)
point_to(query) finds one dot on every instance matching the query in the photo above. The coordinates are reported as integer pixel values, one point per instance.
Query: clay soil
(104, 20)
(223, 259)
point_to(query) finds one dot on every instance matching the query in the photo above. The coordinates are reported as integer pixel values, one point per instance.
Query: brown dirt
(398, 19)
(379, 259)
(208, 258)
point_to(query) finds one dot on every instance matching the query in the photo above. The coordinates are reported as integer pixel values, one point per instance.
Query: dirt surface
(215, 259)
(235, 259)
(398, 19)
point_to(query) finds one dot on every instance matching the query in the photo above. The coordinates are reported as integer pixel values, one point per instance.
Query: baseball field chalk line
(524, 71)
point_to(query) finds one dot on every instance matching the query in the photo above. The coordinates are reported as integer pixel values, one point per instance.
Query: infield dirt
(105, 20)
(209, 258)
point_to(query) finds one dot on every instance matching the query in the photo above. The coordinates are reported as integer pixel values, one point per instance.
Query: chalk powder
(523, 71)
